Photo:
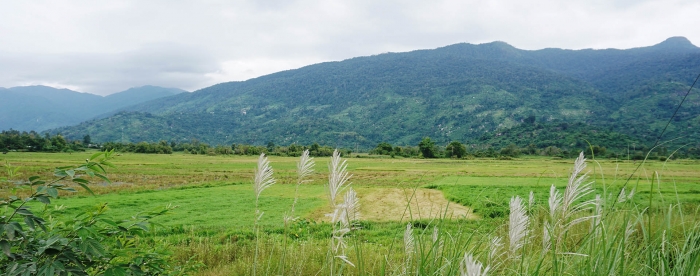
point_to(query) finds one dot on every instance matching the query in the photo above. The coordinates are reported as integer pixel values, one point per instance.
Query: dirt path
(390, 204)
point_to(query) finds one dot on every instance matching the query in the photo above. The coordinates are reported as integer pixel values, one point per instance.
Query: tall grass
(571, 232)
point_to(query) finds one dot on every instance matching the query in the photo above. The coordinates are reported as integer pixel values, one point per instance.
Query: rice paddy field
(452, 207)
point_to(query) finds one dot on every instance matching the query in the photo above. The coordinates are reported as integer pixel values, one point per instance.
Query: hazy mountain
(42, 107)
(458, 92)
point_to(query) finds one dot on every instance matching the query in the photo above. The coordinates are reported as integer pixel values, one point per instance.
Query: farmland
(211, 229)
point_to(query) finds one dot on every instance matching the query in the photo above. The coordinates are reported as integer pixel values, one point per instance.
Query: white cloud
(104, 47)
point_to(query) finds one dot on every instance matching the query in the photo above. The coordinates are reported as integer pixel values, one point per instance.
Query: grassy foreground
(213, 224)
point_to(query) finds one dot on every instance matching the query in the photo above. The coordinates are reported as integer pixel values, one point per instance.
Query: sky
(103, 47)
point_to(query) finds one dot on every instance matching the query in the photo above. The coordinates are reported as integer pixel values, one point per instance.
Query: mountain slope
(457, 92)
(42, 107)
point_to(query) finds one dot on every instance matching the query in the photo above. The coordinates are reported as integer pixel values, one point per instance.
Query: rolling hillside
(458, 92)
(41, 107)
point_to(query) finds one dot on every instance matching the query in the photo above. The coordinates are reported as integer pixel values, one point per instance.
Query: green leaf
(104, 178)
(115, 271)
(108, 164)
(52, 192)
(38, 182)
(80, 180)
(10, 230)
(30, 222)
(24, 211)
(92, 248)
(86, 188)
(95, 155)
(70, 173)
(32, 178)
(43, 199)
(5, 245)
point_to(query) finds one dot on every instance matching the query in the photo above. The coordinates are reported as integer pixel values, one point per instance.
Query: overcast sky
(104, 47)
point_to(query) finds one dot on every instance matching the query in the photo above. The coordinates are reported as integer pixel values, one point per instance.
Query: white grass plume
(554, 203)
(338, 176)
(471, 267)
(263, 176)
(495, 247)
(408, 240)
(305, 166)
(518, 225)
(349, 211)
(576, 189)
(409, 248)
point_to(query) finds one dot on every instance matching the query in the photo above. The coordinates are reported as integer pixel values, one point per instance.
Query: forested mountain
(42, 107)
(460, 92)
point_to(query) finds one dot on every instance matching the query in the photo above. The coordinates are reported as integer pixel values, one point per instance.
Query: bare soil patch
(391, 204)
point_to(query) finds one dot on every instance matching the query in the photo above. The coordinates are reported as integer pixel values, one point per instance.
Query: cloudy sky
(104, 47)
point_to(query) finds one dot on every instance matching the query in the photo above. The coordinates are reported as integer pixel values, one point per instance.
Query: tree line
(14, 140)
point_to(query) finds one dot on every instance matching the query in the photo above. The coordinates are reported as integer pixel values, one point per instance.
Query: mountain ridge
(457, 92)
(40, 107)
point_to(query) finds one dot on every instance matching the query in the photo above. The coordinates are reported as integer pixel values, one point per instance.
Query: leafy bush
(37, 242)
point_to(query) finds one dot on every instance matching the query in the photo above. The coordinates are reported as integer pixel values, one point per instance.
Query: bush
(88, 244)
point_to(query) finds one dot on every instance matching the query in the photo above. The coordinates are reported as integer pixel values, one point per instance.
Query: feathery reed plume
(408, 247)
(263, 180)
(554, 203)
(338, 176)
(495, 246)
(351, 208)
(576, 189)
(472, 267)
(562, 208)
(263, 176)
(531, 201)
(408, 240)
(546, 238)
(343, 214)
(305, 167)
(518, 224)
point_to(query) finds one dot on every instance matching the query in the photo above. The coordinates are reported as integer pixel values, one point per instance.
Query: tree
(511, 150)
(86, 140)
(455, 149)
(427, 148)
(384, 148)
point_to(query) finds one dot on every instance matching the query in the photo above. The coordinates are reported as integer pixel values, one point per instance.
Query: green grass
(215, 200)
(225, 206)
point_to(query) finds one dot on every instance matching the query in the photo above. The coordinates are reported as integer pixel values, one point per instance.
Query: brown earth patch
(391, 204)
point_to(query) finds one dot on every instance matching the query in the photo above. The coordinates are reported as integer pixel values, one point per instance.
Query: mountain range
(40, 108)
(459, 92)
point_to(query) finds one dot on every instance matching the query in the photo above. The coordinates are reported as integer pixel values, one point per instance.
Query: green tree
(455, 149)
(427, 148)
(86, 140)
(511, 150)
(384, 148)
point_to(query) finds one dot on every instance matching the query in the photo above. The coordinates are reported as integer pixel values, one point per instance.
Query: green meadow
(211, 226)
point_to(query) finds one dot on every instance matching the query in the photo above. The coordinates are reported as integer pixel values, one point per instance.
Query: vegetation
(458, 93)
(13, 140)
(40, 108)
(36, 242)
(630, 232)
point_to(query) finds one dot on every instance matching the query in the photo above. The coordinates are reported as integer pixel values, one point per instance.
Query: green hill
(41, 107)
(459, 92)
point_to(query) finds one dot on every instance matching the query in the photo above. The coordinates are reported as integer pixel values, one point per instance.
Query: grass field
(215, 200)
